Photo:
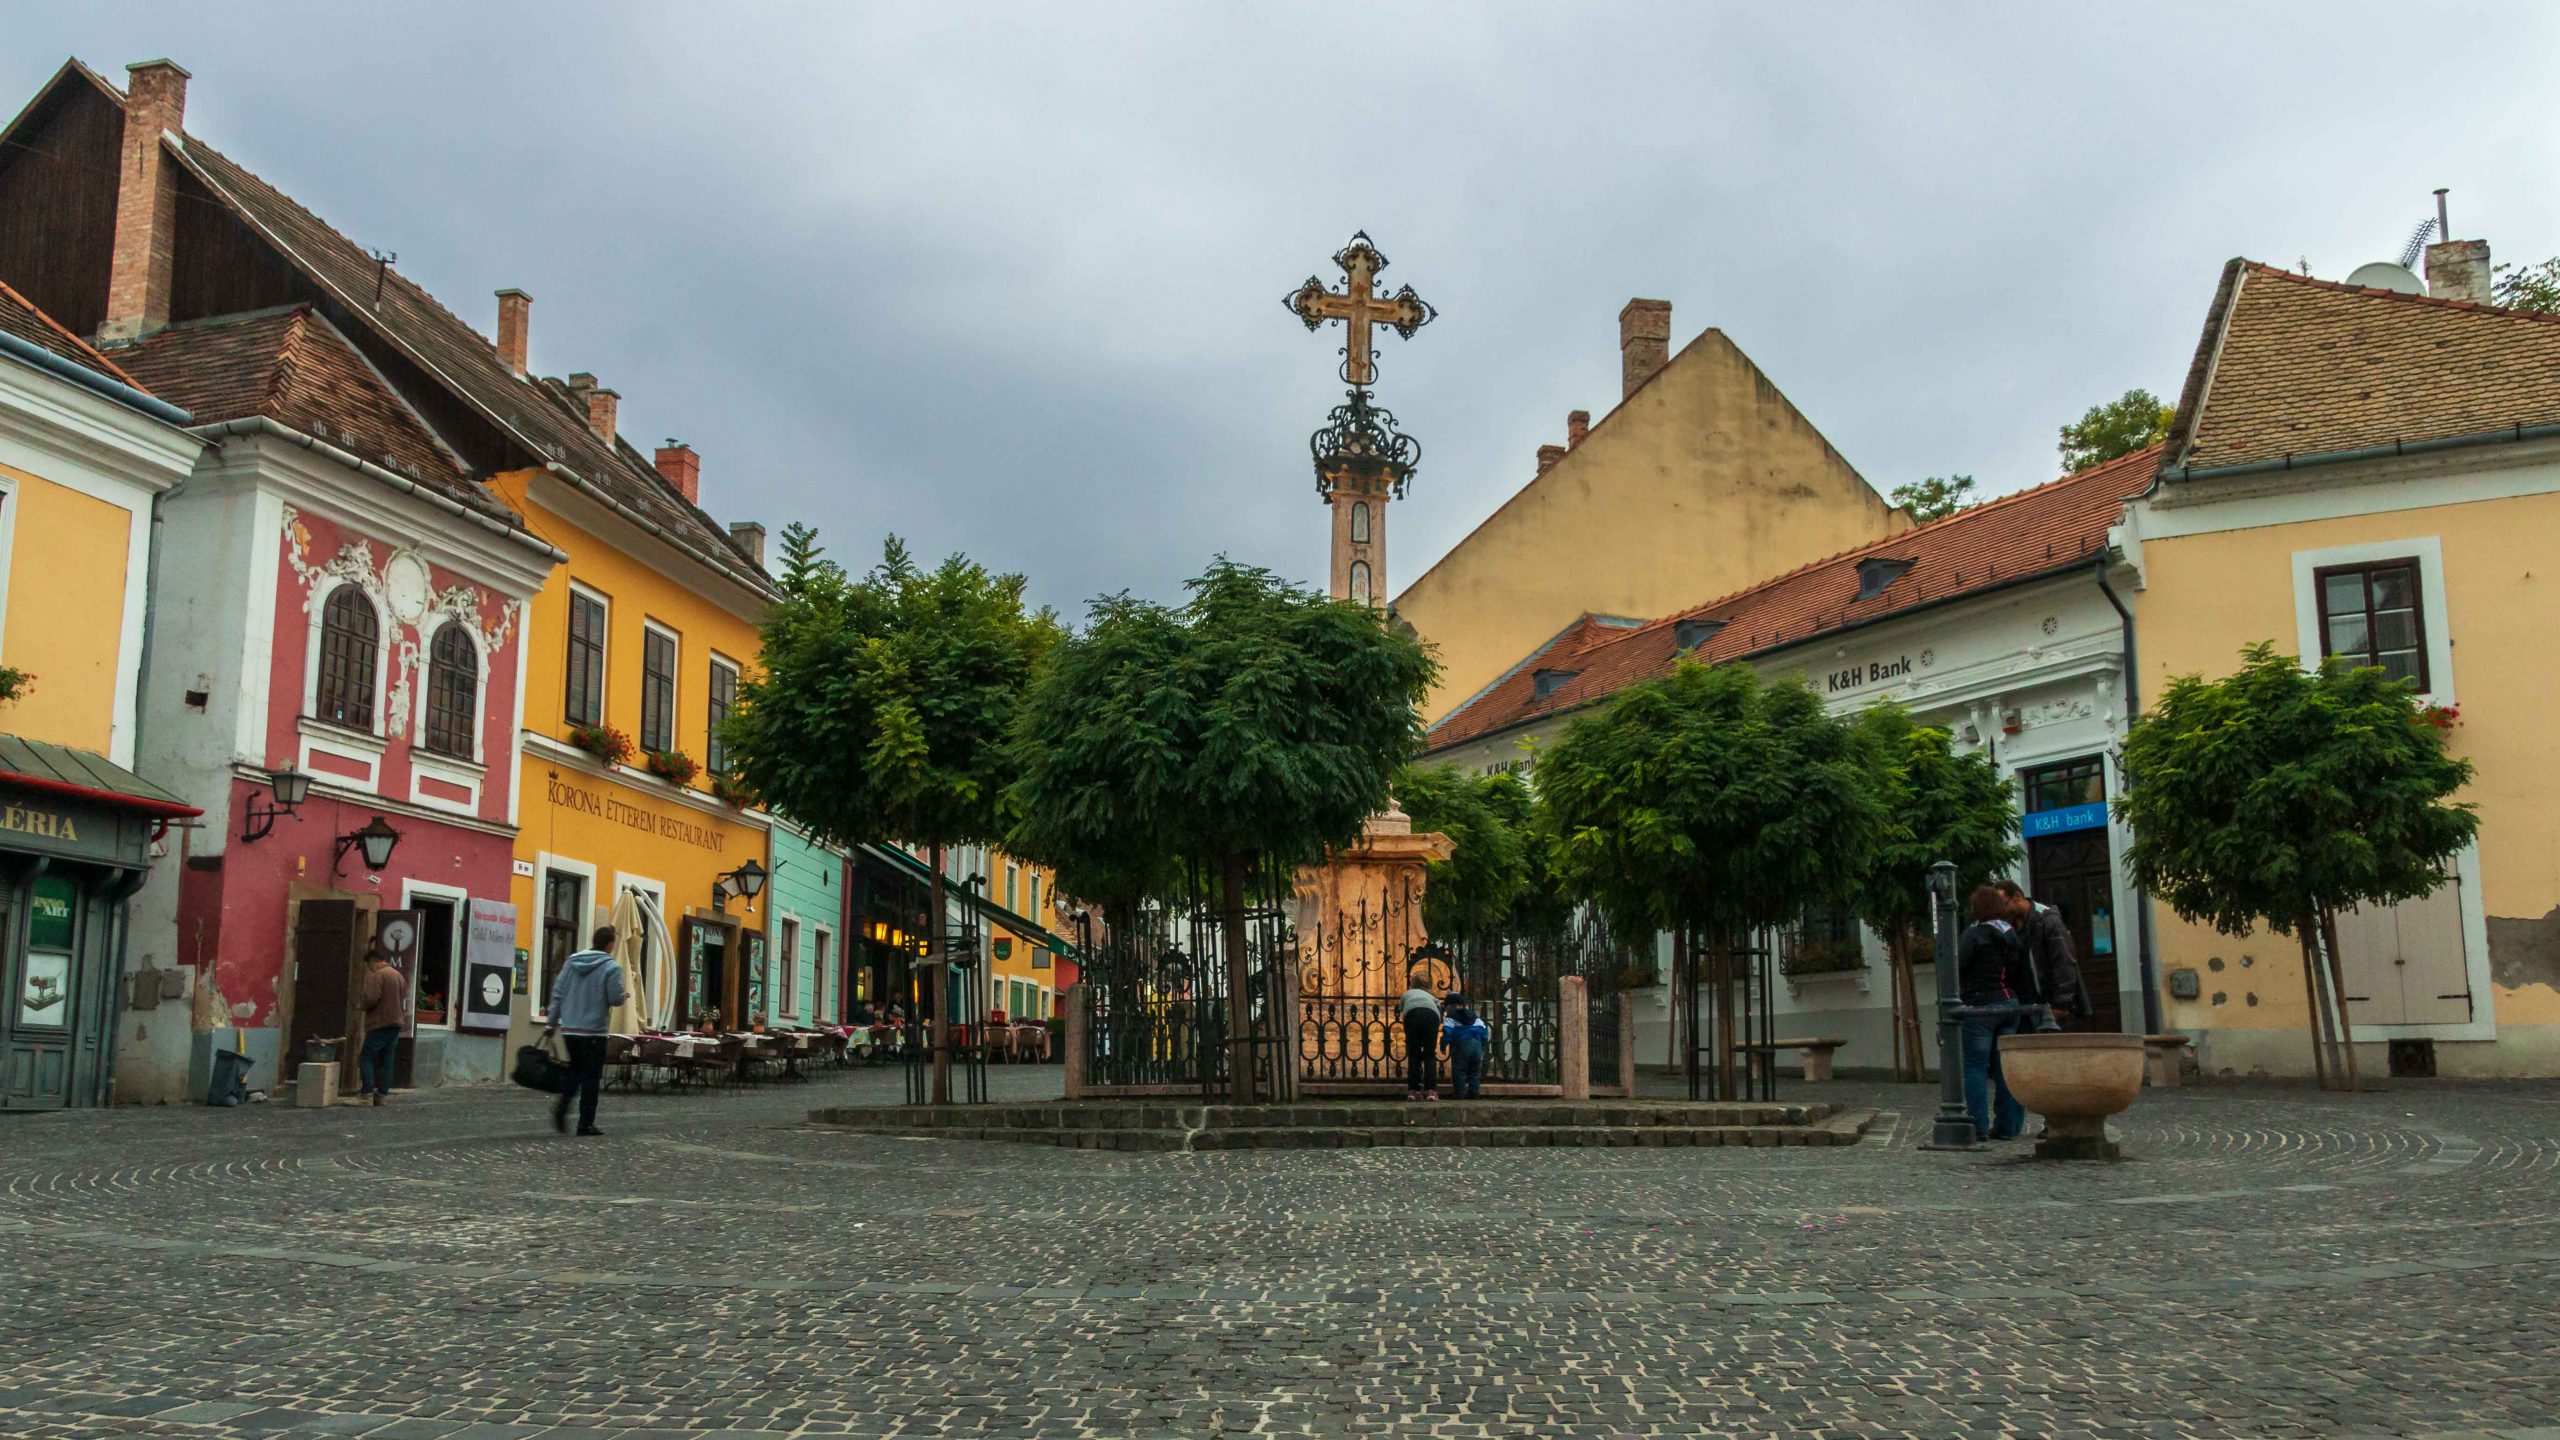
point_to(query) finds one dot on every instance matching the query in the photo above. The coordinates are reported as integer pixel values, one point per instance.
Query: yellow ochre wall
(625, 824)
(2205, 596)
(1705, 481)
(66, 612)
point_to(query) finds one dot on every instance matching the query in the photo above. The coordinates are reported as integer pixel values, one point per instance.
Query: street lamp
(1953, 1129)
(376, 840)
(290, 787)
(746, 883)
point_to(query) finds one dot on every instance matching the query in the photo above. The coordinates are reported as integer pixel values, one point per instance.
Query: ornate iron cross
(1358, 306)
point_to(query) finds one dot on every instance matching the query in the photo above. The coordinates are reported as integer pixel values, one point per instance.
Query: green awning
(87, 775)
(897, 859)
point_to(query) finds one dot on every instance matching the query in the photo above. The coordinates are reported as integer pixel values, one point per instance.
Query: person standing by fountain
(1421, 1044)
(1465, 1035)
(2047, 942)
(1993, 969)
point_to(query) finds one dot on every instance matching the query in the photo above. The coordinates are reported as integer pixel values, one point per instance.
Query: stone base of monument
(1166, 1125)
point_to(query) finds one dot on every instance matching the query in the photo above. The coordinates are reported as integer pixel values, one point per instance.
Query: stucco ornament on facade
(403, 586)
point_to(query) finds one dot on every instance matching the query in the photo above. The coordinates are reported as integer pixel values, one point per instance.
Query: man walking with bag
(582, 1003)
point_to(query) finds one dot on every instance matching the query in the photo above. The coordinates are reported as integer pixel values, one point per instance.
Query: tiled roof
(20, 317)
(412, 321)
(2053, 527)
(2294, 366)
(292, 366)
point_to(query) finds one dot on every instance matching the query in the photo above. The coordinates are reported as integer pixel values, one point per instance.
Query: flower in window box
(734, 791)
(2443, 717)
(603, 742)
(673, 766)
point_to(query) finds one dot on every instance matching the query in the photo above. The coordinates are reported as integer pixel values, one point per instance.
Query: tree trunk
(2338, 991)
(937, 989)
(1907, 1061)
(1674, 1059)
(1240, 1077)
(2314, 1019)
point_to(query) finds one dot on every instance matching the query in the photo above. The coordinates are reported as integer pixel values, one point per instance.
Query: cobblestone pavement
(2273, 1263)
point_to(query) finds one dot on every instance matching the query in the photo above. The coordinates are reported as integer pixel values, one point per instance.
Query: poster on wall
(488, 967)
(398, 933)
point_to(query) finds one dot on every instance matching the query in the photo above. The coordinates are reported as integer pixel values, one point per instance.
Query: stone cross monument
(1362, 461)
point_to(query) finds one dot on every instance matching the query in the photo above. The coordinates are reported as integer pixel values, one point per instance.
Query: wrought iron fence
(1156, 980)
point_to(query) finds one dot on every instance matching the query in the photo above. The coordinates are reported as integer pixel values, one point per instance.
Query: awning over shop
(71, 774)
(904, 863)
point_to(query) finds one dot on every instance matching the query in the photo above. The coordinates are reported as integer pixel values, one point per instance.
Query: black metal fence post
(1954, 1127)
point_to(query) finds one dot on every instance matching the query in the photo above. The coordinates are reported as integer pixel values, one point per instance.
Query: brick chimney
(515, 325)
(602, 404)
(750, 538)
(1576, 425)
(2459, 270)
(1548, 455)
(146, 202)
(683, 470)
(1644, 341)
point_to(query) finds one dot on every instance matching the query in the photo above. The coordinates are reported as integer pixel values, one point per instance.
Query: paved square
(2275, 1263)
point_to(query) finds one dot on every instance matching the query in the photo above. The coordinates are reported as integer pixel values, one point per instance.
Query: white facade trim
(410, 890)
(568, 756)
(2435, 620)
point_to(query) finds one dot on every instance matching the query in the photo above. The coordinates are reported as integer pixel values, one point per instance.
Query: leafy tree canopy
(2114, 430)
(1936, 805)
(1490, 821)
(1256, 720)
(1936, 498)
(2529, 287)
(884, 703)
(2277, 794)
(1708, 798)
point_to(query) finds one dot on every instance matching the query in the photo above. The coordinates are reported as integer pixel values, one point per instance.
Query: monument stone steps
(1164, 1126)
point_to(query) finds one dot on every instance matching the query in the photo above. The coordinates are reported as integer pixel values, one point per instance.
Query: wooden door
(327, 937)
(2072, 873)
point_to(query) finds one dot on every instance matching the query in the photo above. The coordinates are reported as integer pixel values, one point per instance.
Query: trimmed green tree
(1935, 498)
(2278, 796)
(1258, 723)
(1494, 845)
(882, 711)
(1936, 805)
(1708, 803)
(2114, 430)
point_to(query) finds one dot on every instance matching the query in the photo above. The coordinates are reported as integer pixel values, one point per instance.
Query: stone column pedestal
(1626, 1045)
(1573, 1036)
(1079, 1032)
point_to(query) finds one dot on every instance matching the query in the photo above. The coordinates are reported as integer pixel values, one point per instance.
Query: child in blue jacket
(1464, 1037)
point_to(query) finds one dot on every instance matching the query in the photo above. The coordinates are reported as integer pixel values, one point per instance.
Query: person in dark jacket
(1992, 969)
(582, 1003)
(1421, 1043)
(2048, 945)
(1464, 1035)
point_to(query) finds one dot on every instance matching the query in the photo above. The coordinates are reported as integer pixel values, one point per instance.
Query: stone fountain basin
(2075, 1081)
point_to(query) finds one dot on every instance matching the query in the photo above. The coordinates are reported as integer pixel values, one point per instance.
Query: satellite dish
(2383, 275)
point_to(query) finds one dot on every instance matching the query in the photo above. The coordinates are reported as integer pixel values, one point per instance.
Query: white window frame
(737, 676)
(579, 590)
(410, 890)
(786, 938)
(8, 547)
(675, 687)
(479, 690)
(544, 862)
(823, 961)
(2435, 620)
(384, 647)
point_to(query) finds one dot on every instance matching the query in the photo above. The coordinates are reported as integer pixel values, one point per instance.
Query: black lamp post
(1953, 1129)
(290, 787)
(376, 840)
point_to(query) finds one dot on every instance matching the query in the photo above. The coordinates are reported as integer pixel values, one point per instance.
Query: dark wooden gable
(58, 166)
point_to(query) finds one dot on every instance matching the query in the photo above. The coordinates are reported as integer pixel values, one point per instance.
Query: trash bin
(228, 1085)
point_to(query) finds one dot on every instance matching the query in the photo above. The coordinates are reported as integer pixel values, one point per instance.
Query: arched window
(1360, 581)
(350, 648)
(453, 693)
(1359, 522)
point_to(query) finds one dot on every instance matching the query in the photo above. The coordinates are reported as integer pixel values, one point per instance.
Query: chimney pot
(140, 260)
(603, 407)
(515, 321)
(1548, 455)
(1644, 340)
(683, 469)
(750, 538)
(2459, 270)
(1576, 425)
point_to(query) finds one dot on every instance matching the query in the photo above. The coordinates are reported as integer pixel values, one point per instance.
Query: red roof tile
(2289, 365)
(2053, 527)
(295, 368)
(20, 317)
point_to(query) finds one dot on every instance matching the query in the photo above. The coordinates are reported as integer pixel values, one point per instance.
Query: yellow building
(2374, 474)
(84, 457)
(1703, 481)
(638, 644)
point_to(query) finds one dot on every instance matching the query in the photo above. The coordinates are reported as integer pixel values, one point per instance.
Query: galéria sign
(665, 824)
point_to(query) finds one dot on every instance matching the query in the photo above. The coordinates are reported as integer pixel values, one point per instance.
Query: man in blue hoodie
(582, 1001)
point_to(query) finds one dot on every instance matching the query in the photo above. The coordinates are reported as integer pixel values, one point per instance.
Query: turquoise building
(805, 926)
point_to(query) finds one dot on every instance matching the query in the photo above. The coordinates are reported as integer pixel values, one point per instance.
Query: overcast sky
(1007, 279)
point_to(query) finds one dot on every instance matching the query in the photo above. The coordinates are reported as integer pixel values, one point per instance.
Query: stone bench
(2163, 1058)
(1815, 1052)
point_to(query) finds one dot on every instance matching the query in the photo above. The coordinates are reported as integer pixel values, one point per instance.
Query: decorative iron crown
(1360, 441)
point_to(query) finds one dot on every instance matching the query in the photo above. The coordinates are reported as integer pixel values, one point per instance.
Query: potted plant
(603, 742)
(731, 790)
(672, 766)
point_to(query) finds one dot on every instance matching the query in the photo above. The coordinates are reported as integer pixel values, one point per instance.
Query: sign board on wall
(2091, 816)
(488, 967)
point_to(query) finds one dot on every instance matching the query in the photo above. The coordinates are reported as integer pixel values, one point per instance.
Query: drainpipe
(2132, 708)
